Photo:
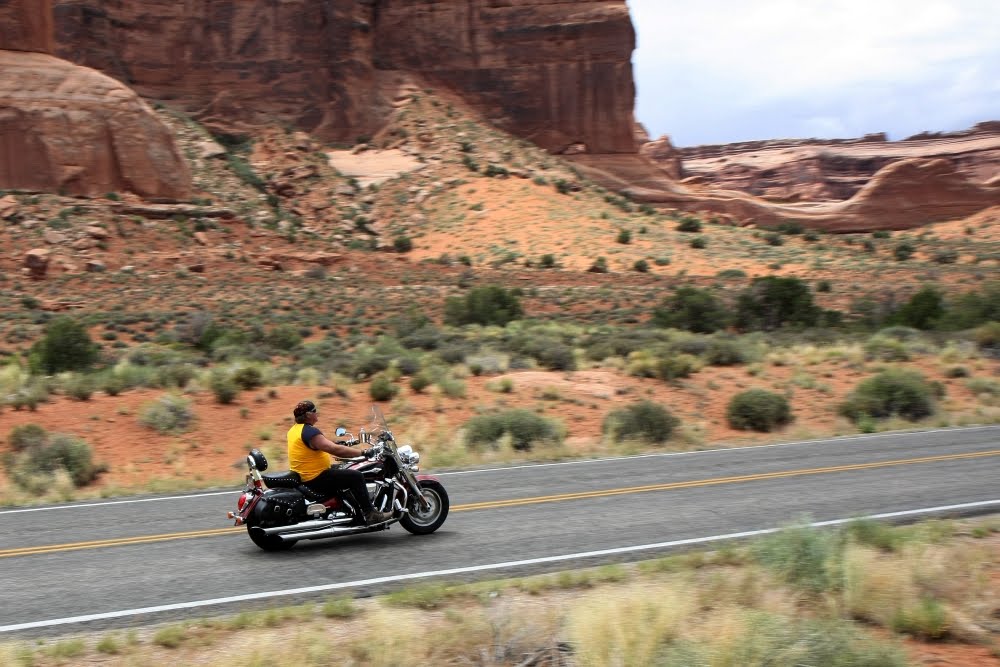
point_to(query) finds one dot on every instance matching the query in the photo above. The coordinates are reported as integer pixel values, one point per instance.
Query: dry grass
(714, 608)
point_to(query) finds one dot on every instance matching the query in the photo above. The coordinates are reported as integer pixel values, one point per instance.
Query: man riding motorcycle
(310, 454)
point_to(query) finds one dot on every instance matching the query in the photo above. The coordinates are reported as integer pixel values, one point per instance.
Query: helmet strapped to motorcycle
(259, 459)
(301, 409)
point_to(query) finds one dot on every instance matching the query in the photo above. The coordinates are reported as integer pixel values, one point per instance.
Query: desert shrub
(382, 388)
(692, 309)
(168, 414)
(645, 421)
(758, 410)
(524, 427)
(624, 236)
(903, 251)
(699, 243)
(224, 388)
(66, 346)
(774, 239)
(926, 619)
(39, 455)
(987, 336)
(725, 352)
(945, 256)
(419, 382)
(922, 310)
(283, 337)
(674, 366)
(772, 302)
(886, 348)
(972, 309)
(490, 304)
(689, 223)
(600, 265)
(641, 266)
(402, 244)
(248, 377)
(25, 436)
(894, 391)
(79, 386)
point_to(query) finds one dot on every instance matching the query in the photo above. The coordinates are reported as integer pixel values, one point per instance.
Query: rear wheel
(420, 521)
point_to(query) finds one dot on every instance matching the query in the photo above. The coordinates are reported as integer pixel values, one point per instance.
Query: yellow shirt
(309, 463)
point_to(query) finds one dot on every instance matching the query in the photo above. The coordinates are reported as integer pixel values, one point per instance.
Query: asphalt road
(90, 566)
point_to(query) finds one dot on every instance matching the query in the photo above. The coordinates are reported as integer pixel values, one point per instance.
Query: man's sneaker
(374, 517)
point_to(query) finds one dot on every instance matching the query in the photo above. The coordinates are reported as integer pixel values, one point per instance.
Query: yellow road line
(718, 480)
(514, 502)
(96, 544)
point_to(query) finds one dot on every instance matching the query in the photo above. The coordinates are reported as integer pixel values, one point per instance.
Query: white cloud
(840, 66)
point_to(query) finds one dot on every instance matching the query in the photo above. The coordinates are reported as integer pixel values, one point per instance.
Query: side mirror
(340, 431)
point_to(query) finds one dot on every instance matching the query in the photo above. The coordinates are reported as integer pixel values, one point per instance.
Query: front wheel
(424, 522)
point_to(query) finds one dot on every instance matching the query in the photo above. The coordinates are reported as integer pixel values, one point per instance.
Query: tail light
(242, 501)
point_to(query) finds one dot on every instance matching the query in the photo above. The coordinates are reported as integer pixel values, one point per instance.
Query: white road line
(544, 465)
(464, 570)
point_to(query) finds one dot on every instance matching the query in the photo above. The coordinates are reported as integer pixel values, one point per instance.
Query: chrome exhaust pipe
(307, 526)
(329, 532)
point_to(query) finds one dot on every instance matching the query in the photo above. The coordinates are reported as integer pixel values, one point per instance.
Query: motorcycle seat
(282, 480)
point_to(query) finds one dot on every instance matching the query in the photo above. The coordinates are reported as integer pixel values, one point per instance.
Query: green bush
(922, 311)
(402, 244)
(382, 388)
(283, 337)
(66, 346)
(168, 414)
(419, 382)
(894, 391)
(524, 427)
(645, 421)
(624, 236)
(758, 410)
(487, 305)
(772, 302)
(248, 377)
(903, 251)
(689, 223)
(692, 309)
(224, 388)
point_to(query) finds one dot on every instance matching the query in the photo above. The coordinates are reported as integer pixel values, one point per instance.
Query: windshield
(378, 419)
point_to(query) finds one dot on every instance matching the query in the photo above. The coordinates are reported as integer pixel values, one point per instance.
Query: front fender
(427, 478)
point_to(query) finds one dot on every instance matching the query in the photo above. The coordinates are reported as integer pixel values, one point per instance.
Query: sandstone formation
(903, 195)
(556, 73)
(70, 129)
(26, 25)
(816, 170)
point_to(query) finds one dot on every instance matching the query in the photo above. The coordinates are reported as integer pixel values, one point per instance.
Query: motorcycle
(278, 510)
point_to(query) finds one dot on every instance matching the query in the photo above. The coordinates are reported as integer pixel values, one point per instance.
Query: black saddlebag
(279, 507)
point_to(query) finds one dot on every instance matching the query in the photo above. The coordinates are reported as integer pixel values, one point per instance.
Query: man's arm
(324, 444)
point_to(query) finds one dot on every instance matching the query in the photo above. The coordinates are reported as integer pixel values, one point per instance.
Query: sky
(721, 71)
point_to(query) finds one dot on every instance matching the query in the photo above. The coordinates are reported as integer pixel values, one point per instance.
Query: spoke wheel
(420, 521)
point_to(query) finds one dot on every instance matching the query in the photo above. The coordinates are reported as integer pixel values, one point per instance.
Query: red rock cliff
(557, 73)
(66, 128)
(26, 26)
